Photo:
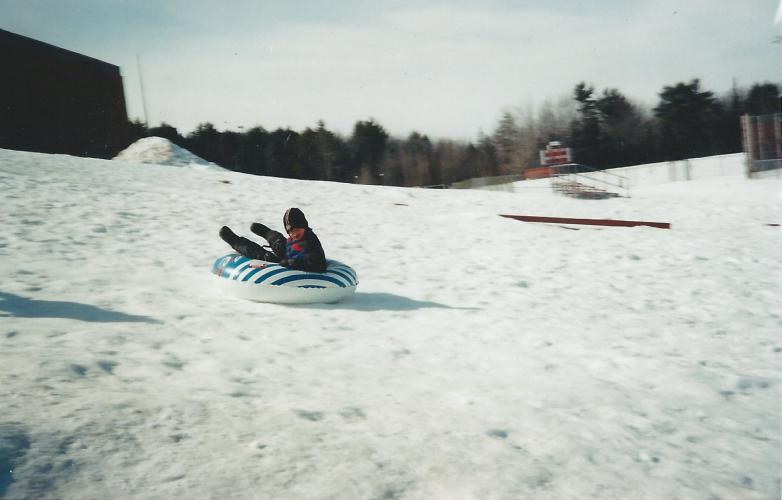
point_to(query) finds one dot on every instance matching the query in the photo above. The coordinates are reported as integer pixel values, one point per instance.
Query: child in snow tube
(301, 250)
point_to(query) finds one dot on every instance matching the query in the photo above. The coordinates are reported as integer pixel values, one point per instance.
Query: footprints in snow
(497, 433)
(82, 371)
(746, 386)
(33, 464)
(352, 414)
(348, 413)
(400, 353)
(108, 366)
(14, 443)
(78, 370)
(312, 416)
(173, 362)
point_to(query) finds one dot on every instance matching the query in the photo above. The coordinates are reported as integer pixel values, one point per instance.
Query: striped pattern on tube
(241, 269)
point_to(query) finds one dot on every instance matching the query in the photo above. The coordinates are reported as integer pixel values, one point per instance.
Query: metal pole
(143, 94)
(746, 139)
(778, 137)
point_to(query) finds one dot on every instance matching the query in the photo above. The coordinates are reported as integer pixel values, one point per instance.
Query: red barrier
(538, 172)
(590, 222)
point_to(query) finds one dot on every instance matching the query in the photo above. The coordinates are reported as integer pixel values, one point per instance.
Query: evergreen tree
(729, 126)
(393, 164)
(204, 141)
(506, 141)
(331, 155)
(166, 131)
(488, 163)
(310, 159)
(688, 118)
(418, 162)
(136, 130)
(451, 168)
(282, 155)
(470, 162)
(763, 99)
(229, 148)
(620, 129)
(367, 145)
(585, 132)
(252, 151)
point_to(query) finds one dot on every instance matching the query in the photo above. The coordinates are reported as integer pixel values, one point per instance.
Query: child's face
(296, 233)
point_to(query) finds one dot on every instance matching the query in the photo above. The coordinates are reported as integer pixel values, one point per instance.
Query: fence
(683, 170)
(496, 183)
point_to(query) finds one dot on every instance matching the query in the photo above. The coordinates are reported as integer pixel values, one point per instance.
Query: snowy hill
(161, 151)
(481, 357)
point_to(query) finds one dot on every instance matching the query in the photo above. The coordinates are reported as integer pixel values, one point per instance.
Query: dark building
(53, 100)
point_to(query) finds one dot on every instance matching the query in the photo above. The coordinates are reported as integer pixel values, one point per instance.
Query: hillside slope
(481, 357)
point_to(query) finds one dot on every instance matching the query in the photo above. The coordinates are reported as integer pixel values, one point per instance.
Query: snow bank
(161, 151)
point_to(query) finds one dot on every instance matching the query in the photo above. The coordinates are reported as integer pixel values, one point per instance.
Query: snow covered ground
(481, 357)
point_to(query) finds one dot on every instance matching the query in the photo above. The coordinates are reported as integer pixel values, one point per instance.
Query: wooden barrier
(590, 222)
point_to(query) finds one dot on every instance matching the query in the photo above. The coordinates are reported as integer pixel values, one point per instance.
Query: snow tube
(270, 282)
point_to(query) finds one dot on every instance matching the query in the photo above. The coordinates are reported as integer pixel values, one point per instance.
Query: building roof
(65, 53)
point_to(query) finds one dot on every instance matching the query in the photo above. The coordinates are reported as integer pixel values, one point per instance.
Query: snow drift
(161, 151)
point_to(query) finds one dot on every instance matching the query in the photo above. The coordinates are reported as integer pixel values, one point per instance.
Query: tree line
(369, 156)
(607, 129)
(604, 129)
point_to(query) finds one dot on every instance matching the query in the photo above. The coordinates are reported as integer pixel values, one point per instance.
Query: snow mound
(161, 151)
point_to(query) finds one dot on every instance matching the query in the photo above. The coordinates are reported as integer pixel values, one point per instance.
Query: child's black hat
(294, 218)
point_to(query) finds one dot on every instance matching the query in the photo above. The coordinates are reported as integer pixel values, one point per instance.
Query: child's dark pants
(253, 250)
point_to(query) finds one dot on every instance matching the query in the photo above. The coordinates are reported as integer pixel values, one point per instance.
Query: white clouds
(445, 72)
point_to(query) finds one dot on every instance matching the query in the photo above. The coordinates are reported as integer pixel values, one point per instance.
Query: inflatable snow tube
(270, 282)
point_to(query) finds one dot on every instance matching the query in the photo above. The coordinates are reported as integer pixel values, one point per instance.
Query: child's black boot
(259, 229)
(228, 236)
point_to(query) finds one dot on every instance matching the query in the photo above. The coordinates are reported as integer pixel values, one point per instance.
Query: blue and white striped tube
(270, 282)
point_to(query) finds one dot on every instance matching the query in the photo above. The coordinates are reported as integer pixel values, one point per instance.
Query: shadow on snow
(384, 302)
(23, 307)
(14, 443)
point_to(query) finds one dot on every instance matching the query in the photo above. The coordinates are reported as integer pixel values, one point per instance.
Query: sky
(527, 361)
(445, 69)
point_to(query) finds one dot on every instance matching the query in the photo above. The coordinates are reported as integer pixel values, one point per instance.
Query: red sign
(555, 154)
